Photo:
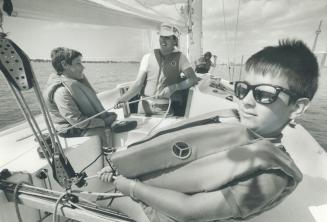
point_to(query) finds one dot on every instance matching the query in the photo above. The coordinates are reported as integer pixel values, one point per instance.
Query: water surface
(104, 76)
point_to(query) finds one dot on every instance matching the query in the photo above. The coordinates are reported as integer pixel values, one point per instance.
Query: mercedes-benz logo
(181, 150)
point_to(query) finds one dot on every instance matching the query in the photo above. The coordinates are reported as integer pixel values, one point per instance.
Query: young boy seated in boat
(279, 84)
(71, 99)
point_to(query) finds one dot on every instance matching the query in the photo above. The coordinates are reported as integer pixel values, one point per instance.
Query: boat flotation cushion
(123, 126)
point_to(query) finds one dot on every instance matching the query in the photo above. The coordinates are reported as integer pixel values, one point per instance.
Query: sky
(260, 23)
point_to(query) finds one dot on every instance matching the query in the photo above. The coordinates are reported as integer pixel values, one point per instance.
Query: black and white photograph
(163, 110)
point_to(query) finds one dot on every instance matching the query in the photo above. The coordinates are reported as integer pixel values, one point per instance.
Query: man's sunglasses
(262, 93)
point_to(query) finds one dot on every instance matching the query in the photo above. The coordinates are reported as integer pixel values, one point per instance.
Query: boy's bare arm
(198, 207)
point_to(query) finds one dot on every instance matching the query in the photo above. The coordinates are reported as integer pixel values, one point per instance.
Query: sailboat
(30, 192)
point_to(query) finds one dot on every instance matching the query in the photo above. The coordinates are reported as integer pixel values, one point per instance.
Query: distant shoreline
(111, 61)
(86, 61)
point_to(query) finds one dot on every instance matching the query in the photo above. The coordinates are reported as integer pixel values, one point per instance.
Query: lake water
(104, 76)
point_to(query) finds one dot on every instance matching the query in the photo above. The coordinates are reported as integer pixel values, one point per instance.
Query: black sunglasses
(262, 93)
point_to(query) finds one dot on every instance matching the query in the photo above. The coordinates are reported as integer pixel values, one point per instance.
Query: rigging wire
(226, 40)
(236, 27)
(225, 31)
(235, 36)
(231, 75)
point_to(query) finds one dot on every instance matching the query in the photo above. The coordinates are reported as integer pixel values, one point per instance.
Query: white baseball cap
(168, 30)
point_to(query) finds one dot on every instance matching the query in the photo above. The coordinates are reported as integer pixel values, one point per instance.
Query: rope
(98, 114)
(60, 199)
(17, 187)
(47, 214)
(111, 199)
(56, 206)
(19, 216)
(110, 165)
(162, 119)
(91, 163)
(68, 128)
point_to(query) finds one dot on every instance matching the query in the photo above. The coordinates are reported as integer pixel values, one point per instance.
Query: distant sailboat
(321, 55)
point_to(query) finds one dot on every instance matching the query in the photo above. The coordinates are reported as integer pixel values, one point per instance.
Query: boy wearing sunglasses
(278, 87)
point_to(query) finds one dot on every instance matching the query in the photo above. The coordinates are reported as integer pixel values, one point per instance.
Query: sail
(146, 14)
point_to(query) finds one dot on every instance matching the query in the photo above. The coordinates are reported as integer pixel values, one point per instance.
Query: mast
(318, 31)
(194, 25)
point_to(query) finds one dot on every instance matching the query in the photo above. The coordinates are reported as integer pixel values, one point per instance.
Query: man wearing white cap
(164, 74)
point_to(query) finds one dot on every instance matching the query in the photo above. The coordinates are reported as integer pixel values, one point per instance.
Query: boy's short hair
(60, 54)
(291, 59)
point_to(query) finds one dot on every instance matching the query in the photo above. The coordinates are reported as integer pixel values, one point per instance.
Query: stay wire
(225, 30)
(236, 30)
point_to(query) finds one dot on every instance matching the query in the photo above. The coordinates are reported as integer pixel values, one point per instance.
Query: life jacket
(82, 92)
(162, 71)
(203, 154)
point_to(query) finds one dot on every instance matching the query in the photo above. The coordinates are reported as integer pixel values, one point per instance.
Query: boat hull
(18, 152)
